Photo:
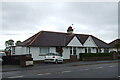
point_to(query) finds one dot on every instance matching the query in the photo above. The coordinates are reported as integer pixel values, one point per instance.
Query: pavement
(8, 68)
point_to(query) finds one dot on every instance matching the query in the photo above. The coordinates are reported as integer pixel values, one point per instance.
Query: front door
(73, 56)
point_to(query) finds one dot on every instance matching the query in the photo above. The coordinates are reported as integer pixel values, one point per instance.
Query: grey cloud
(94, 16)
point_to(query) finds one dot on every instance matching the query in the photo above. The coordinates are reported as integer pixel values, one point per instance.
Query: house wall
(93, 50)
(18, 50)
(66, 53)
(74, 42)
(52, 49)
(82, 50)
(113, 49)
(78, 51)
(38, 53)
(35, 53)
(24, 50)
(102, 50)
(89, 42)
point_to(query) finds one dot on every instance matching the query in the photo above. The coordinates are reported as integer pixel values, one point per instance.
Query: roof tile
(47, 38)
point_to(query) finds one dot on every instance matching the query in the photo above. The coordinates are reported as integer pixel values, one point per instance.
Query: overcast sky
(20, 20)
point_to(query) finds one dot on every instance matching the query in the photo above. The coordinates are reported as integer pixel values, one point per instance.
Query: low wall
(15, 59)
(11, 60)
(96, 58)
(38, 61)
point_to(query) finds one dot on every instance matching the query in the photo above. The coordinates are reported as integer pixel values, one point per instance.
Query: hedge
(95, 55)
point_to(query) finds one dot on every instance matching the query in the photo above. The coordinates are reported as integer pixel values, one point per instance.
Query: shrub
(95, 55)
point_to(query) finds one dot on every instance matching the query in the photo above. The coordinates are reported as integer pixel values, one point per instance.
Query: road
(106, 70)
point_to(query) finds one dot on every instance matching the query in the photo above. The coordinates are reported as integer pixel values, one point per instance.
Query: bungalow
(112, 45)
(67, 44)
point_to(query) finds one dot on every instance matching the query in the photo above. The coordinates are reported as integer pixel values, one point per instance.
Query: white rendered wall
(78, 51)
(66, 53)
(83, 50)
(24, 50)
(18, 50)
(75, 42)
(113, 49)
(89, 42)
(52, 49)
(93, 50)
(35, 53)
(102, 50)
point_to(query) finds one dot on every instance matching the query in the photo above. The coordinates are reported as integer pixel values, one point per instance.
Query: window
(100, 50)
(89, 50)
(70, 50)
(44, 50)
(106, 50)
(74, 50)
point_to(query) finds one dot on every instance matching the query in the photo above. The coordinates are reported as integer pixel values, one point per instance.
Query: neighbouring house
(113, 46)
(69, 45)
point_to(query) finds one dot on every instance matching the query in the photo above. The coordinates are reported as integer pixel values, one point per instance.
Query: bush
(83, 55)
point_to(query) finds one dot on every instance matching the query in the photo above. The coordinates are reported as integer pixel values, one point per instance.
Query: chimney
(70, 30)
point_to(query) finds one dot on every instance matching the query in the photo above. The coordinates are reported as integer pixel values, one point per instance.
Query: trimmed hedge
(83, 55)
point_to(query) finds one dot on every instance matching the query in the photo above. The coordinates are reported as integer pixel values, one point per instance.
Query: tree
(117, 46)
(9, 43)
(59, 50)
(17, 43)
(6, 43)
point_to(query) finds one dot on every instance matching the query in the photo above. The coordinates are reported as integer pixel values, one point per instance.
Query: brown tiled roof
(112, 44)
(47, 38)
(100, 43)
(69, 37)
(82, 37)
(28, 41)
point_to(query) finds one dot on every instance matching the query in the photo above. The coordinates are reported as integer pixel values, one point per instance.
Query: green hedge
(96, 55)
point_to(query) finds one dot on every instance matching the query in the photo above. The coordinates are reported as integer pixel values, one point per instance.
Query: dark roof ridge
(62, 39)
(27, 41)
(114, 40)
(84, 34)
(66, 33)
(72, 36)
(54, 32)
(35, 37)
(99, 39)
